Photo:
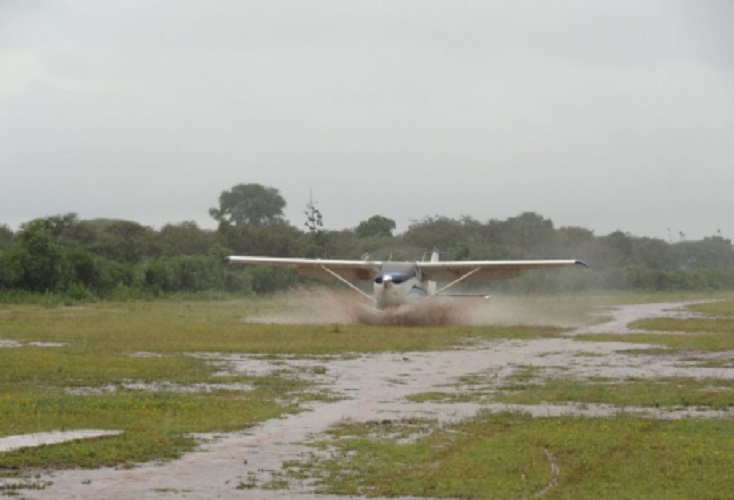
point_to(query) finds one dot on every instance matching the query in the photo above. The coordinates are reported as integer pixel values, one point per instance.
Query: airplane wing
(486, 269)
(355, 270)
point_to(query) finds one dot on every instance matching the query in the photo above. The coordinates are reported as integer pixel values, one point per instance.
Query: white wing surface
(361, 270)
(355, 270)
(486, 269)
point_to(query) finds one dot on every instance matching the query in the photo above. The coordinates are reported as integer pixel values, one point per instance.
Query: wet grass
(713, 333)
(700, 340)
(575, 310)
(71, 367)
(665, 392)
(515, 456)
(713, 393)
(704, 336)
(531, 385)
(719, 326)
(82, 381)
(156, 425)
(722, 307)
(61, 393)
(504, 456)
(75, 366)
(220, 326)
(169, 328)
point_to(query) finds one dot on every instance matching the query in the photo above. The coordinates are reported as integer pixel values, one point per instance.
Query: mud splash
(325, 306)
(436, 312)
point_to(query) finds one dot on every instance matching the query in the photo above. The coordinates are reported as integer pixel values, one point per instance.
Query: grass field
(120, 366)
(512, 455)
(108, 346)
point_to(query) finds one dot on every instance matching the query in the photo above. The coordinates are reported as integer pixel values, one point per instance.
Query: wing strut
(458, 280)
(348, 283)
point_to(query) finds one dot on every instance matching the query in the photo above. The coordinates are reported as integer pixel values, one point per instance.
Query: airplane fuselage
(399, 284)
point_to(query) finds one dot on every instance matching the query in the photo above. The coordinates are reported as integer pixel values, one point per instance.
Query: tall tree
(530, 231)
(252, 204)
(440, 231)
(35, 261)
(377, 225)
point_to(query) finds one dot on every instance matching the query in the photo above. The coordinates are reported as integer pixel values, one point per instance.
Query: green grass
(723, 327)
(70, 367)
(219, 326)
(509, 456)
(97, 359)
(665, 392)
(722, 307)
(156, 425)
(697, 341)
(167, 327)
(36, 397)
(659, 392)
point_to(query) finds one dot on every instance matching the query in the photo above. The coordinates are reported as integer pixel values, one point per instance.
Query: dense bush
(124, 260)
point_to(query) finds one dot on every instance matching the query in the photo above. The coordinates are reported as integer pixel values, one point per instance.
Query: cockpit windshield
(395, 276)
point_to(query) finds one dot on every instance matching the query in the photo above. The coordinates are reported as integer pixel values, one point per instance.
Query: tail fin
(431, 285)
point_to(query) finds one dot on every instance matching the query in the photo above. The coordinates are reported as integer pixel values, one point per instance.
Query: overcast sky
(611, 115)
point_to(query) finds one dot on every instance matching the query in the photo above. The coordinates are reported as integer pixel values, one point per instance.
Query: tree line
(117, 259)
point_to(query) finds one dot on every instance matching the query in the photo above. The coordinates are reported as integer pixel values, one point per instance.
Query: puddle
(12, 443)
(162, 387)
(623, 316)
(15, 343)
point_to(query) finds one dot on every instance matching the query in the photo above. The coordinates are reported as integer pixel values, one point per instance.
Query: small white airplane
(401, 283)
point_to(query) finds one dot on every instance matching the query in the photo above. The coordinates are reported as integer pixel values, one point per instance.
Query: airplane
(396, 284)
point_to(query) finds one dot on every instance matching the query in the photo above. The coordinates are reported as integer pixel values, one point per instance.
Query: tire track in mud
(555, 472)
(374, 387)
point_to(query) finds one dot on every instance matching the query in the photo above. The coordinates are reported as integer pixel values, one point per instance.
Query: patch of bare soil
(375, 387)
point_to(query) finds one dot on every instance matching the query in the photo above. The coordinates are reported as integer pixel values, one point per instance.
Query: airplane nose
(387, 280)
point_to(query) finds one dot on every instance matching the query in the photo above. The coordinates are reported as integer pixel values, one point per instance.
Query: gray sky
(607, 115)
